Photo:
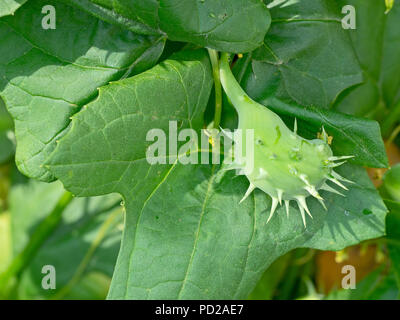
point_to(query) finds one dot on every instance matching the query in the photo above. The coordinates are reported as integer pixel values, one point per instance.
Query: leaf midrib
(206, 197)
(137, 224)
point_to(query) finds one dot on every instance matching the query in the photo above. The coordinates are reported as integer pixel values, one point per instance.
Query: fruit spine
(286, 166)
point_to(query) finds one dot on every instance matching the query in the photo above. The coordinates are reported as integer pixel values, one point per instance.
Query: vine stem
(391, 118)
(89, 254)
(41, 233)
(393, 136)
(217, 85)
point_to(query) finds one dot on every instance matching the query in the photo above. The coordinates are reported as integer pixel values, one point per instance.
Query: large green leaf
(10, 6)
(233, 26)
(47, 75)
(306, 56)
(186, 236)
(85, 244)
(173, 90)
(267, 285)
(191, 239)
(376, 40)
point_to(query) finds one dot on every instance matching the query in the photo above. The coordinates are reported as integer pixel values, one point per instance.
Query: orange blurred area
(364, 258)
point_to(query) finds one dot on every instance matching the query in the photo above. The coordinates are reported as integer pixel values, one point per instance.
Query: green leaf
(269, 281)
(6, 134)
(6, 122)
(8, 7)
(354, 217)
(78, 247)
(129, 109)
(217, 249)
(30, 202)
(393, 236)
(93, 286)
(106, 13)
(377, 43)
(306, 57)
(232, 26)
(48, 75)
(186, 236)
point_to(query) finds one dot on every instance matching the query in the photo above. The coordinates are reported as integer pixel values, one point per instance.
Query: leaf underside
(232, 26)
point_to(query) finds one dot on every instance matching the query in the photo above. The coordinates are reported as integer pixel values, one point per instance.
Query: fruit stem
(232, 88)
(237, 96)
(217, 85)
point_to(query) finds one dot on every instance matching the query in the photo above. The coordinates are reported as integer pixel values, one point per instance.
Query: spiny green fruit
(286, 166)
